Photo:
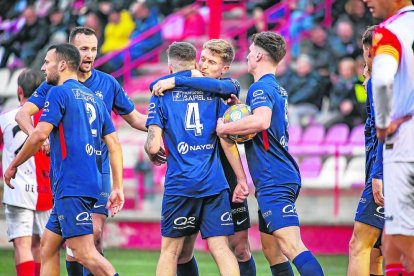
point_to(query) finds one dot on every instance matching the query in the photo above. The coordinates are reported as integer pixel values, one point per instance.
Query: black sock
(74, 268)
(282, 269)
(188, 269)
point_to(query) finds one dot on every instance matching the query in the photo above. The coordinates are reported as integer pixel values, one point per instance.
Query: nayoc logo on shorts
(84, 218)
(226, 219)
(289, 211)
(184, 222)
(184, 148)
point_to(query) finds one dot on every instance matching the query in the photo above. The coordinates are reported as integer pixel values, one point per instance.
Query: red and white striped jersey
(32, 185)
(395, 37)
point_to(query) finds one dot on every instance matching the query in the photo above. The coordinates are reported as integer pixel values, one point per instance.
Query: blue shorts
(71, 217)
(100, 206)
(368, 211)
(277, 206)
(184, 216)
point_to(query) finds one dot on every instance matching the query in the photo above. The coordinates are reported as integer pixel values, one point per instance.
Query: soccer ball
(235, 113)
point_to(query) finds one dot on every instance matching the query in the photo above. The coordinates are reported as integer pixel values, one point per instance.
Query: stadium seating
(295, 135)
(355, 172)
(337, 135)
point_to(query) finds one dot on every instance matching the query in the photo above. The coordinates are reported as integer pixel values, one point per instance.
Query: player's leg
(392, 257)
(170, 250)
(223, 256)
(39, 225)
(180, 223)
(84, 250)
(49, 253)
(399, 211)
(216, 225)
(376, 262)
(363, 239)
(19, 231)
(278, 210)
(279, 264)
(186, 264)
(239, 242)
(77, 229)
(99, 215)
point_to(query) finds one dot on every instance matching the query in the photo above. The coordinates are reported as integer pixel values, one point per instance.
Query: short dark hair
(68, 53)
(29, 80)
(367, 36)
(272, 43)
(80, 30)
(182, 51)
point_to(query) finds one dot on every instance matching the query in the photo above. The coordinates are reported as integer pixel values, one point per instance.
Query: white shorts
(22, 222)
(399, 198)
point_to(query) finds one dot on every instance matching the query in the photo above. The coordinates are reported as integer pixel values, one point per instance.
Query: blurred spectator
(42, 7)
(56, 22)
(283, 73)
(305, 94)
(28, 41)
(342, 101)
(358, 16)
(300, 20)
(92, 21)
(118, 30)
(343, 41)
(166, 7)
(145, 19)
(194, 24)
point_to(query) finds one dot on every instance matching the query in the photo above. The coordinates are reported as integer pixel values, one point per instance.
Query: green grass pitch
(143, 263)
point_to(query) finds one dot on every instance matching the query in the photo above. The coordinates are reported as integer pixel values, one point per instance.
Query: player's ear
(225, 69)
(62, 65)
(170, 69)
(20, 94)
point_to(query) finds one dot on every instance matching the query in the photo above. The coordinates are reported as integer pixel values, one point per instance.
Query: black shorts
(240, 211)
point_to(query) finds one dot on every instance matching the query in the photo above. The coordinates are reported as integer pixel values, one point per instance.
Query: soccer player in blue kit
(196, 196)
(76, 121)
(215, 60)
(369, 218)
(105, 87)
(274, 172)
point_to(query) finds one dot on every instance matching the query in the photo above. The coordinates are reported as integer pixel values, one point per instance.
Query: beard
(53, 78)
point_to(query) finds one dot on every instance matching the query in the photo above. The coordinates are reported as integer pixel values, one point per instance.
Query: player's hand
(46, 147)
(383, 133)
(233, 100)
(115, 201)
(162, 85)
(160, 158)
(8, 175)
(377, 191)
(240, 192)
(220, 128)
(196, 73)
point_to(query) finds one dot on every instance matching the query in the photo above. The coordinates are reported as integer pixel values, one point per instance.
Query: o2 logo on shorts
(289, 210)
(184, 222)
(226, 219)
(84, 217)
(380, 212)
(182, 147)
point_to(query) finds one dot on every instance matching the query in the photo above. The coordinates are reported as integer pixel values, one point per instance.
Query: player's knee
(242, 252)
(358, 246)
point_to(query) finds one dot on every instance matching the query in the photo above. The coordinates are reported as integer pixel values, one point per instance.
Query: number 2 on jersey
(90, 109)
(192, 119)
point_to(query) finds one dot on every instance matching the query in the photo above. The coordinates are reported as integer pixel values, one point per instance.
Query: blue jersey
(188, 118)
(373, 147)
(103, 86)
(267, 153)
(80, 120)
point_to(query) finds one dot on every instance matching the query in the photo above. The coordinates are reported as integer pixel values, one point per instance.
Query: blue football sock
(282, 269)
(307, 264)
(247, 268)
(74, 268)
(188, 269)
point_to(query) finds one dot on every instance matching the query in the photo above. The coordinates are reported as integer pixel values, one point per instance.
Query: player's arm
(377, 173)
(232, 153)
(387, 52)
(24, 117)
(224, 87)
(116, 199)
(30, 147)
(257, 122)
(136, 120)
(153, 143)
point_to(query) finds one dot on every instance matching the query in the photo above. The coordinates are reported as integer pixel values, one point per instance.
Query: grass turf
(143, 263)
